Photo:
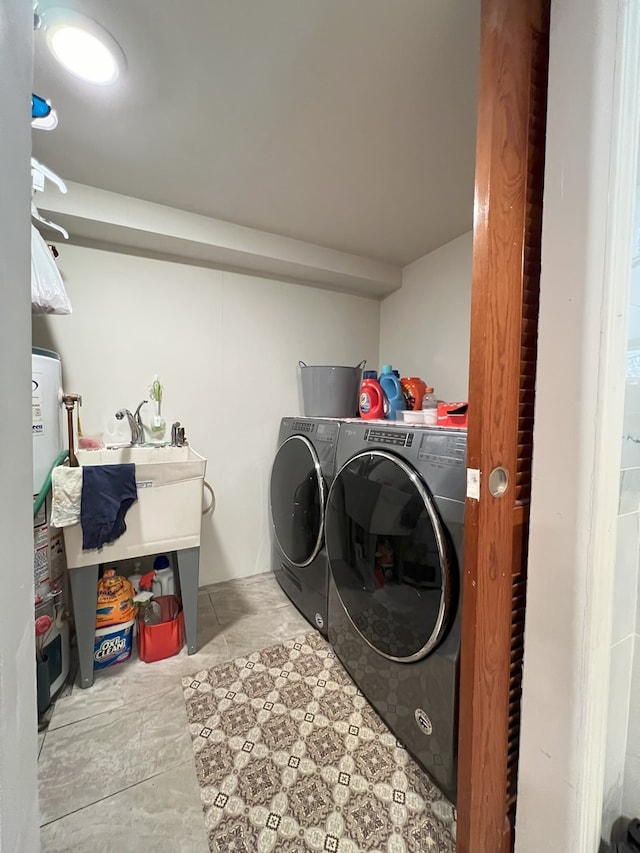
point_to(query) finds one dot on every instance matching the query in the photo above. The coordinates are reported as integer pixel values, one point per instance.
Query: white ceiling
(346, 123)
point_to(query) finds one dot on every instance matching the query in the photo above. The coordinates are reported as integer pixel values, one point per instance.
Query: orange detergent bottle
(413, 389)
(371, 400)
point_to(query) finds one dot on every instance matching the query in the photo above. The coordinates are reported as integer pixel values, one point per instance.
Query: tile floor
(116, 765)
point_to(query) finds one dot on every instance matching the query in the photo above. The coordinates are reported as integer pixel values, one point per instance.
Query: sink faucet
(135, 423)
(138, 419)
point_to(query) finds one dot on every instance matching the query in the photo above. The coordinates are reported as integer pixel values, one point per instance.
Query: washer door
(297, 497)
(389, 555)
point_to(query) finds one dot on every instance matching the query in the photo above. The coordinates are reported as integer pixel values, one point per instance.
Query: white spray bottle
(158, 424)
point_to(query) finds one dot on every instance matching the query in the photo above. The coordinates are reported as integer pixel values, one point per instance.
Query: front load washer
(302, 472)
(394, 538)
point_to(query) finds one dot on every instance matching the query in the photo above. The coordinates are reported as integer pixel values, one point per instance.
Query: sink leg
(84, 595)
(189, 576)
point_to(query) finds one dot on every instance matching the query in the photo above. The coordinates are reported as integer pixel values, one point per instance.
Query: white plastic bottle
(429, 407)
(136, 576)
(163, 582)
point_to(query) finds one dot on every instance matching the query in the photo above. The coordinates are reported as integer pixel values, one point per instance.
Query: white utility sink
(168, 513)
(141, 454)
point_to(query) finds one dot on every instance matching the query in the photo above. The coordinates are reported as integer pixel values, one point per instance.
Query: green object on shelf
(46, 486)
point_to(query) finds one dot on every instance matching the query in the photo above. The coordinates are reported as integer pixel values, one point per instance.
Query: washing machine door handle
(297, 499)
(389, 555)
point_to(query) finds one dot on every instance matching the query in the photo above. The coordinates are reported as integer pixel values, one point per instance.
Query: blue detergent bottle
(390, 384)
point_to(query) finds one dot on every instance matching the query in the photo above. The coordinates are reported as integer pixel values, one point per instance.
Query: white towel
(67, 496)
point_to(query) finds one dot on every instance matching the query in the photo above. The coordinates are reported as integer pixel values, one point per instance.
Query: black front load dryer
(302, 472)
(394, 537)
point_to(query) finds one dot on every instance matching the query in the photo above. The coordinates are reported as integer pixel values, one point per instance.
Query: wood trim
(504, 311)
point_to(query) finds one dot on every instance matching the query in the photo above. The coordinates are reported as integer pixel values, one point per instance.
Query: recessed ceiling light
(83, 47)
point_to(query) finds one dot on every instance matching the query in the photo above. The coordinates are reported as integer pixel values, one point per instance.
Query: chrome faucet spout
(125, 413)
(139, 425)
(135, 423)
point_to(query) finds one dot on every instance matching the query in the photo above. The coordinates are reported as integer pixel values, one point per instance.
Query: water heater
(46, 428)
(49, 559)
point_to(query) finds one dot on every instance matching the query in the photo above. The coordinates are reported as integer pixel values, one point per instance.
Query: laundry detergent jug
(413, 389)
(115, 600)
(392, 390)
(371, 399)
(163, 582)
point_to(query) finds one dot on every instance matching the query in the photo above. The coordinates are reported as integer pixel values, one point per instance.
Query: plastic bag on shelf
(48, 294)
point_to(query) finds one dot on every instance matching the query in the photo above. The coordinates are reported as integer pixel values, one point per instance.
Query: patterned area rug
(291, 759)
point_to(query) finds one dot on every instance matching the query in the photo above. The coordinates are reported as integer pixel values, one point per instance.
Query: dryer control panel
(387, 436)
(443, 449)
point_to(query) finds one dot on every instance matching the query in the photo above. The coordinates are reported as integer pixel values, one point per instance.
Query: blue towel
(107, 493)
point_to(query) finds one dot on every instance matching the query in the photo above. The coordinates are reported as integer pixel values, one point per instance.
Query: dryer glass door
(297, 495)
(389, 555)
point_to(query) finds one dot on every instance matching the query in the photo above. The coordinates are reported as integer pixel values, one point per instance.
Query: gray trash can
(330, 391)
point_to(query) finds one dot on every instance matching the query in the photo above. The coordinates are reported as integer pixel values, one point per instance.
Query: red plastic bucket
(156, 642)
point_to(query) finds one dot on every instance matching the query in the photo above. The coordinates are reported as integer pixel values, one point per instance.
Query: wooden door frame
(506, 269)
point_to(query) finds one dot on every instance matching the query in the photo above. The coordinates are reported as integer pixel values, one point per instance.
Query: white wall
(19, 823)
(622, 764)
(578, 423)
(424, 326)
(631, 779)
(622, 769)
(226, 348)
(625, 662)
